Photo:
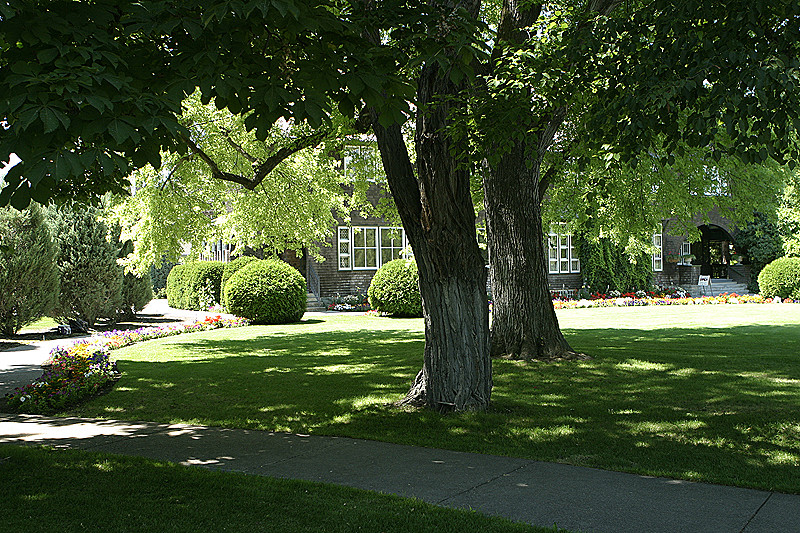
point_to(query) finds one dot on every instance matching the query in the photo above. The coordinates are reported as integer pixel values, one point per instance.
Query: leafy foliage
(185, 201)
(789, 216)
(195, 285)
(267, 291)
(781, 278)
(606, 266)
(103, 81)
(394, 289)
(91, 279)
(29, 278)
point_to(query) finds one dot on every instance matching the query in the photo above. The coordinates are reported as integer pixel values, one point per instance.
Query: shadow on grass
(706, 404)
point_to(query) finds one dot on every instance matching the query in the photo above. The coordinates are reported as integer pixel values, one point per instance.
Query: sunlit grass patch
(705, 393)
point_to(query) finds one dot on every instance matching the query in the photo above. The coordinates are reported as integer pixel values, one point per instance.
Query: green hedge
(267, 292)
(232, 267)
(781, 278)
(194, 285)
(395, 289)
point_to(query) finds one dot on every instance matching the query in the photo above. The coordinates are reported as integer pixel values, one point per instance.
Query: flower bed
(627, 301)
(75, 373)
(350, 302)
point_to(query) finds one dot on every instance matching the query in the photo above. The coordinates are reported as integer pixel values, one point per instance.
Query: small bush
(781, 278)
(232, 267)
(395, 289)
(195, 285)
(29, 278)
(137, 291)
(267, 292)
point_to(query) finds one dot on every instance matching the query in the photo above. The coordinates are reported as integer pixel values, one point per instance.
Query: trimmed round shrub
(267, 291)
(781, 278)
(194, 285)
(395, 289)
(232, 267)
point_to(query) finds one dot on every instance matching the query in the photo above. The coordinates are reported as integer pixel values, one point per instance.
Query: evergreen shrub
(781, 278)
(137, 291)
(267, 291)
(395, 289)
(91, 279)
(195, 285)
(232, 267)
(29, 279)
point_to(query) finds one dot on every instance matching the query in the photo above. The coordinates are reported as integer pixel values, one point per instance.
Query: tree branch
(301, 143)
(238, 147)
(264, 168)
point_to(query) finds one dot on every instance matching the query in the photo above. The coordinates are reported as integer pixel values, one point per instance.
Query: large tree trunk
(438, 216)
(524, 323)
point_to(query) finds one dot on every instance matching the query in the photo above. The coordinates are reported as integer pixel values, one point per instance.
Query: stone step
(312, 304)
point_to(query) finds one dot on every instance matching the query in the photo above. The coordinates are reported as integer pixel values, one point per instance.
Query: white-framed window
(658, 255)
(365, 248)
(562, 258)
(369, 247)
(344, 248)
(393, 240)
(686, 249)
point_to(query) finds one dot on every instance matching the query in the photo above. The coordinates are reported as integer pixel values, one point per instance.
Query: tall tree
(628, 81)
(104, 81)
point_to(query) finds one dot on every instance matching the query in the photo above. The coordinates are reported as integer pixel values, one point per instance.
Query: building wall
(336, 282)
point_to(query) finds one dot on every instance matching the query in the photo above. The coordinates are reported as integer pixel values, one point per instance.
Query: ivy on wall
(607, 266)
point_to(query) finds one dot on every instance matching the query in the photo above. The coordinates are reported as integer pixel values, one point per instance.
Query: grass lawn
(706, 393)
(41, 324)
(65, 490)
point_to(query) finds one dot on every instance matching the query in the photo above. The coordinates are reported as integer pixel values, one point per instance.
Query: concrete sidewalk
(575, 498)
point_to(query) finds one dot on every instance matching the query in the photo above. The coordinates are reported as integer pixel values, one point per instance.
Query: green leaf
(48, 117)
(47, 55)
(122, 131)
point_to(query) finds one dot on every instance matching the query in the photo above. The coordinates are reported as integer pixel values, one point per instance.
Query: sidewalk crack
(755, 513)
(520, 467)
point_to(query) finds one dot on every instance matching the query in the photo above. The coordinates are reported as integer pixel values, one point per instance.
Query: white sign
(704, 281)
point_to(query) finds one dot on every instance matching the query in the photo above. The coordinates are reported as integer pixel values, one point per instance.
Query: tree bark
(438, 216)
(524, 322)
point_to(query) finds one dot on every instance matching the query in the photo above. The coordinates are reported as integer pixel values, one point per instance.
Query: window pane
(344, 247)
(553, 267)
(386, 255)
(344, 262)
(370, 234)
(372, 258)
(358, 237)
(359, 258)
(344, 234)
